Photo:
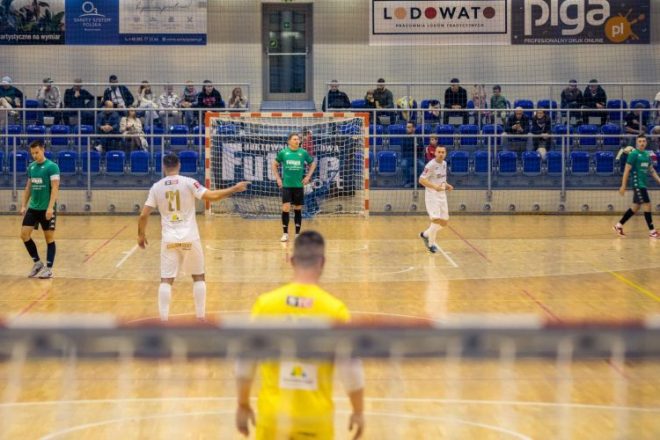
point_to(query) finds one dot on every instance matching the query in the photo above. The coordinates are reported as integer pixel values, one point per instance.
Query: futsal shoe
(36, 269)
(433, 248)
(45, 273)
(654, 234)
(284, 238)
(619, 230)
(425, 240)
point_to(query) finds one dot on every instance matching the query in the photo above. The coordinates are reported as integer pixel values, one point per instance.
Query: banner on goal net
(243, 146)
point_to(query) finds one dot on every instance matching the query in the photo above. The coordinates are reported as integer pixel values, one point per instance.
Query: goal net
(243, 146)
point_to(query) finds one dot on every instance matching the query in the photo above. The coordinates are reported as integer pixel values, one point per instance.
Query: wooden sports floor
(561, 268)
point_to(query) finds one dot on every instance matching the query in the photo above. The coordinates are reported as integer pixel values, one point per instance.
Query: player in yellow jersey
(295, 400)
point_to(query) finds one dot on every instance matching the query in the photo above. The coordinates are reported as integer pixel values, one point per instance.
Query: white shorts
(436, 205)
(186, 256)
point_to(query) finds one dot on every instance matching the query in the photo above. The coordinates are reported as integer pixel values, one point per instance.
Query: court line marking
(635, 286)
(104, 244)
(447, 257)
(342, 399)
(274, 247)
(34, 302)
(474, 248)
(128, 255)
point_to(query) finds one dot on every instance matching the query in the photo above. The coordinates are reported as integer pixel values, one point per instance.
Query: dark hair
(411, 122)
(308, 249)
(593, 81)
(113, 77)
(292, 135)
(381, 80)
(641, 136)
(170, 161)
(454, 81)
(37, 144)
(497, 87)
(207, 81)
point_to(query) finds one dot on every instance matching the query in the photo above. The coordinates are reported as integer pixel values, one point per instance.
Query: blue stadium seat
(526, 104)
(531, 163)
(59, 136)
(481, 162)
(67, 161)
(459, 163)
(604, 161)
(49, 155)
(550, 106)
(358, 103)
(611, 135)
(559, 132)
(507, 163)
(2, 162)
(188, 161)
(115, 162)
(158, 162)
(85, 131)
(493, 129)
(468, 132)
(22, 158)
(614, 106)
(199, 136)
(9, 136)
(32, 116)
(94, 162)
(430, 118)
(376, 132)
(646, 103)
(178, 130)
(580, 163)
(554, 160)
(139, 163)
(591, 131)
(387, 162)
(396, 141)
(444, 133)
(35, 133)
(154, 135)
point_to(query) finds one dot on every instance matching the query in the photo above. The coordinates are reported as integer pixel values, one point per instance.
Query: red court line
(474, 248)
(105, 243)
(34, 302)
(557, 319)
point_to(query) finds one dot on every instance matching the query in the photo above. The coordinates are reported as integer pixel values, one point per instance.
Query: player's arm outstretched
(219, 194)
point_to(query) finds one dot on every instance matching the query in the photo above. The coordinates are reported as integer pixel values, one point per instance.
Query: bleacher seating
(617, 109)
(459, 163)
(94, 164)
(507, 163)
(591, 133)
(85, 131)
(154, 135)
(550, 106)
(531, 163)
(444, 132)
(179, 130)
(67, 161)
(9, 136)
(645, 103)
(376, 133)
(33, 116)
(22, 158)
(188, 161)
(495, 130)
(199, 136)
(580, 165)
(139, 162)
(59, 136)
(604, 163)
(35, 133)
(559, 131)
(554, 161)
(611, 135)
(396, 141)
(481, 162)
(358, 103)
(115, 162)
(387, 163)
(526, 104)
(468, 132)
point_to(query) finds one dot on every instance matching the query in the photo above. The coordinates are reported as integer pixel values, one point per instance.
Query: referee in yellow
(295, 400)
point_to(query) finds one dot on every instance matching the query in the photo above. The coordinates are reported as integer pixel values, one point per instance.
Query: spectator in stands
(516, 130)
(594, 97)
(480, 102)
(498, 102)
(541, 130)
(635, 121)
(455, 99)
(406, 104)
(432, 115)
(147, 101)
(107, 122)
(78, 98)
(335, 98)
(384, 99)
(655, 131)
(119, 95)
(168, 103)
(429, 153)
(131, 130)
(571, 98)
(188, 101)
(10, 97)
(237, 99)
(408, 146)
(369, 100)
(209, 97)
(49, 96)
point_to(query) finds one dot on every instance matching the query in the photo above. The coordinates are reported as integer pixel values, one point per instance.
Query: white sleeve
(197, 188)
(427, 170)
(151, 199)
(351, 374)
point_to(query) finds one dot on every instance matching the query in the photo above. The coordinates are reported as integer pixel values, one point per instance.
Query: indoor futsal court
(483, 175)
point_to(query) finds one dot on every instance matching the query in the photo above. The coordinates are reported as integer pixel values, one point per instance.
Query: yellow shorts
(294, 433)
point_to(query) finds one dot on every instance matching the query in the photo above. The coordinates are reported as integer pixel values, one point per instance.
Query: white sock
(164, 297)
(431, 232)
(199, 292)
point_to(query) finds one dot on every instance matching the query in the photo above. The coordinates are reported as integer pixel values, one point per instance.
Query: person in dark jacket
(594, 97)
(78, 98)
(384, 99)
(107, 122)
(335, 98)
(541, 130)
(209, 97)
(119, 95)
(516, 130)
(456, 99)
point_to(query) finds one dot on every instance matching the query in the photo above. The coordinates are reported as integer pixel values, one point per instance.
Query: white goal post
(242, 146)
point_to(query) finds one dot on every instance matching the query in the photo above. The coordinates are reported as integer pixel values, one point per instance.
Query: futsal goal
(243, 146)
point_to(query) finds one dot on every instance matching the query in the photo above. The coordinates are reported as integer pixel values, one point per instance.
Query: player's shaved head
(308, 249)
(170, 161)
(37, 144)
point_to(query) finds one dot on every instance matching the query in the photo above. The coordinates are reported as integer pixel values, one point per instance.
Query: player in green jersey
(639, 163)
(41, 190)
(293, 179)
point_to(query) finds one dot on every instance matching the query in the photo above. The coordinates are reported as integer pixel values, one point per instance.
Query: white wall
(341, 51)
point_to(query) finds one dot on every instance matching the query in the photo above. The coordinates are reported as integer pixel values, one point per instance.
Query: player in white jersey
(434, 179)
(174, 197)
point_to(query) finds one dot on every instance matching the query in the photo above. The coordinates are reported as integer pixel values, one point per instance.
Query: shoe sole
(425, 240)
(619, 233)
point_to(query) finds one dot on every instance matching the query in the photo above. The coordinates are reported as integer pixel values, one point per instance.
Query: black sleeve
(462, 97)
(447, 98)
(128, 96)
